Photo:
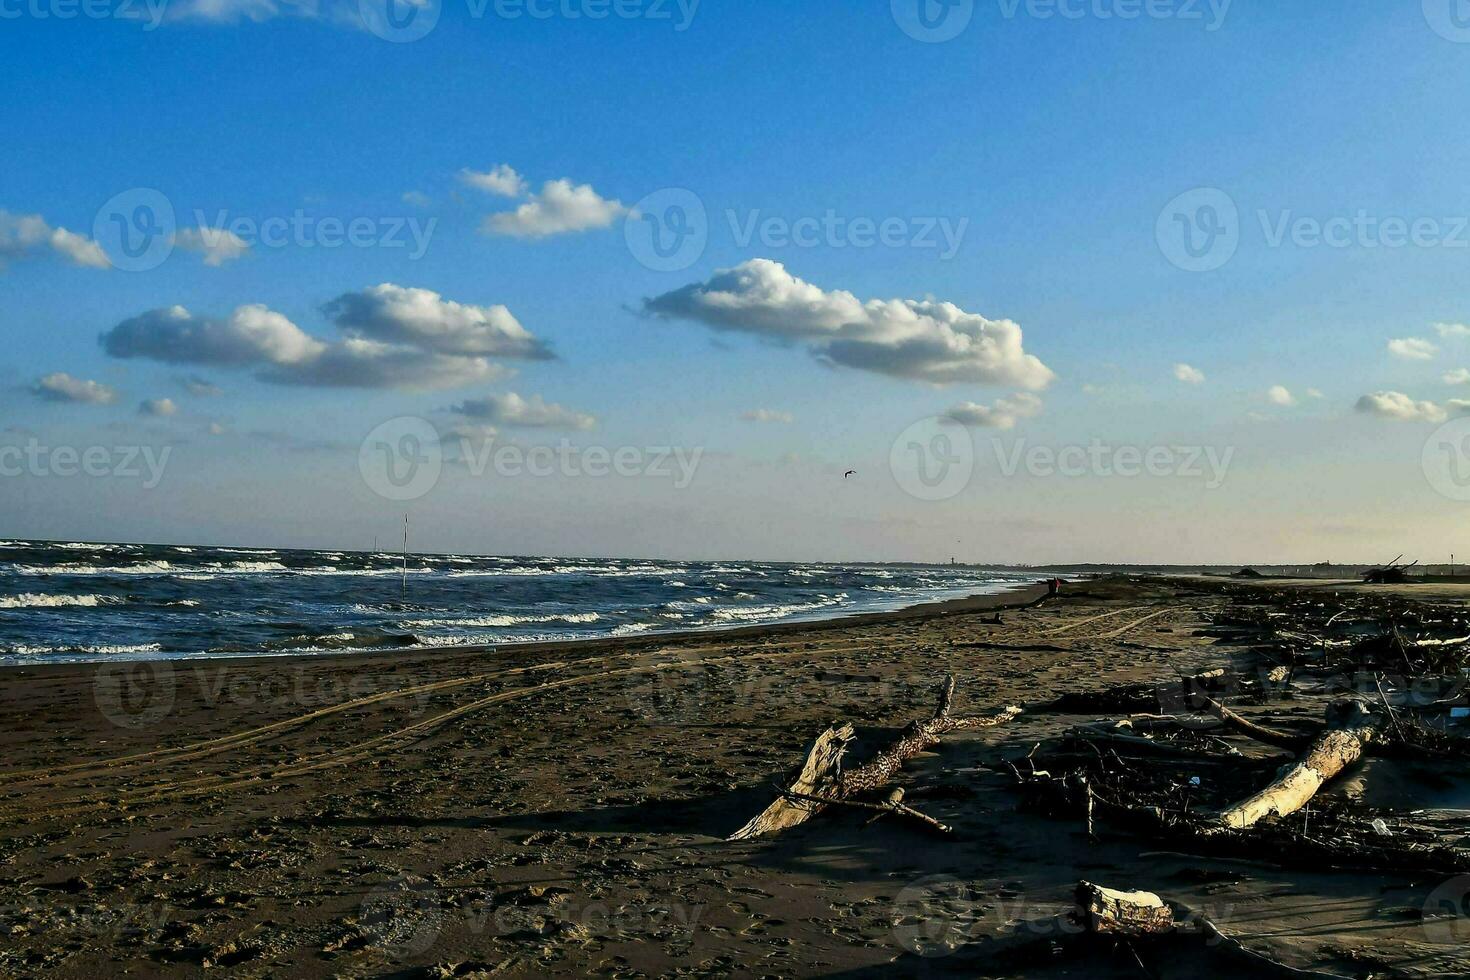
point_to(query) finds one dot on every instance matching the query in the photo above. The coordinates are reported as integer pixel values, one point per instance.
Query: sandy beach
(561, 808)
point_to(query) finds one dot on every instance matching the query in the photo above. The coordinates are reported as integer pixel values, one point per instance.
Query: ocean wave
(24, 650)
(31, 600)
(489, 621)
(77, 568)
(772, 610)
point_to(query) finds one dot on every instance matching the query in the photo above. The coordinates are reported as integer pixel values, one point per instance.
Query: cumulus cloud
(25, 235)
(1459, 376)
(1400, 407)
(767, 415)
(1189, 375)
(417, 198)
(1314, 393)
(1448, 330)
(251, 335)
(502, 180)
(420, 341)
(1412, 349)
(921, 340)
(559, 208)
(533, 413)
(423, 318)
(357, 363)
(158, 407)
(62, 387)
(1280, 395)
(1004, 414)
(217, 245)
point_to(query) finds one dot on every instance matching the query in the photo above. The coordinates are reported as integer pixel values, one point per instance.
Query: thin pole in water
(403, 594)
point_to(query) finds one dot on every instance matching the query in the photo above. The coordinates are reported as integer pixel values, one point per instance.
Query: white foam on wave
(32, 600)
(492, 621)
(110, 651)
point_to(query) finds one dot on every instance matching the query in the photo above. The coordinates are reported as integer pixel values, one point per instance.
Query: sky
(1004, 281)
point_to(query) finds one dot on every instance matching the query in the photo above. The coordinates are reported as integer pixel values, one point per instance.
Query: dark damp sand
(573, 825)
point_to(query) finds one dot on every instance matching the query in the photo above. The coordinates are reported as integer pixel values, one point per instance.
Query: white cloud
(1189, 375)
(559, 208)
(513, 410)
(1448, 330)
(1002, 415)
(502, 180)
(1412, 349)
(358, 363)
(282, 353)
(1459, 376)
(216, 429)
(1280, 395)
(217, 245)
(1400, 408)
(234, 11)
(921, 340)
(1315, 393)
(158, 407)
(62, 387)
(417, 198)
(251, 335)
(23, 235)
(423, 318)
(767, 415)
(202, 387)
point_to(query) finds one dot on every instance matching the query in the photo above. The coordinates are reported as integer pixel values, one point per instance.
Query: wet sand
(560, 809)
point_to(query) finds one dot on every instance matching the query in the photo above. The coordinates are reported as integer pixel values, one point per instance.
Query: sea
(78, 601)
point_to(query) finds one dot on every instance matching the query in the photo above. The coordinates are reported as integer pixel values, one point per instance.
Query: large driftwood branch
(822, 777)
(1352, 726)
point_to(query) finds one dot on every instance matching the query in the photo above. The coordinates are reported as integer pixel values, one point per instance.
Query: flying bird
(849, 473)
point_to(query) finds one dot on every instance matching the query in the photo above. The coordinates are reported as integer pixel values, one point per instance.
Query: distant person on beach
(1053, 586)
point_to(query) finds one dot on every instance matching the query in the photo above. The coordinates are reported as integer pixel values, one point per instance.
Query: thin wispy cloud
(919, 340)
(1188, 374)
(767, 416)
(512, 410)
(1003, 414)
(28, 235)
(217, 245)
(501, 180)
(1412, 349)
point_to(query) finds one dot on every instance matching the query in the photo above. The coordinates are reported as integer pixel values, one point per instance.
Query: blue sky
(1055, 143)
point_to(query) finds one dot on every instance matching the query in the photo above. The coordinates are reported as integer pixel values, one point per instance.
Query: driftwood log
(1352, 726)
(1111, 912)
(821, 778)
